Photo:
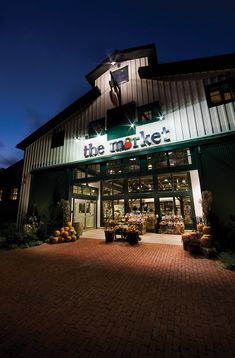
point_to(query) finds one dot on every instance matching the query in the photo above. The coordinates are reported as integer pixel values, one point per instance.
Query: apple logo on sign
(127, 144)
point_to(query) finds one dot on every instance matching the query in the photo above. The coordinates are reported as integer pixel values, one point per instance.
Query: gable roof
(214, 63)
(123, 55)
(59, 118)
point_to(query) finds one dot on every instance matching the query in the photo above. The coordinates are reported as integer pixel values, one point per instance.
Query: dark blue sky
(47, 48)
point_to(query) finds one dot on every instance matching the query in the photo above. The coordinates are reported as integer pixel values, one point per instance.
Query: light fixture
(76, 139)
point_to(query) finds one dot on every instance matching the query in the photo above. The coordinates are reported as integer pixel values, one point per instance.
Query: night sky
(47, 48)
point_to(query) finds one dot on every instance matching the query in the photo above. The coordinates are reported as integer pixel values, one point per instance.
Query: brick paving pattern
(91, 299)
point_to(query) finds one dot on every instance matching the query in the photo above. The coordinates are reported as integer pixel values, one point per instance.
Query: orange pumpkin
(65, 234)
(54, 239)
(69, 224)
(60, 239)
(56, 233)
(73, 238)
(206, 230)
(68, 239)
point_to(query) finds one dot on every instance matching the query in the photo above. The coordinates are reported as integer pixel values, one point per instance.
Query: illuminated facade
(147, 138)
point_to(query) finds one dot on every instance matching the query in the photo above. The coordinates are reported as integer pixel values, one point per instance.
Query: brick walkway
(91, 299)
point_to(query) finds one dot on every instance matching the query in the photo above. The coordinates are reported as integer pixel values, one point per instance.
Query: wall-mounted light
(76, 139)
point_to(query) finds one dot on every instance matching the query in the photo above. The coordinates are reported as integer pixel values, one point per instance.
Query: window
(57, 138)
(176, 181)
(96, 128)
(114, 167)
(110, 187)
(173, 158)
(121, 75)
(157, 160)
(149, 112)
(179, 157)
(143, 184)
(1, 192)
(220, 92)
(14, 194)
(131, 164)
(86, 171)
(85, 190)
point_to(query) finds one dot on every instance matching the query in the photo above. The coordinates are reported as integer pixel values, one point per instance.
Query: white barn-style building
(147, 138)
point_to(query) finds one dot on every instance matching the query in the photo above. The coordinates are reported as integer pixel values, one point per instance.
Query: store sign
(143, 140)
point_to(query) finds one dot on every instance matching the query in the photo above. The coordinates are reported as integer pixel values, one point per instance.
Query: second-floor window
(14, 194)
(96, 128)
(57, 138)
(150, 112)
(220, 92)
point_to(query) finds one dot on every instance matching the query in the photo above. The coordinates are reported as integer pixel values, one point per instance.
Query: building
(147, 138)
(10, 183)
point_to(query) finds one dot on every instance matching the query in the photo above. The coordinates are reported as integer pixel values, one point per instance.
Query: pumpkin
(206, 241)
(66, 228)
(73, 238)
(71, 231)
(56, 233)
(65, 234)
(200, 227)
(54, 239)
(60, 239)
(69, 224)
(206, 230)
(68, 239)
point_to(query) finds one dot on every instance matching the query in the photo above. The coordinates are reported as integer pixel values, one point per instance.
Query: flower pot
(194, 248)
(133, 238)
(109, 236)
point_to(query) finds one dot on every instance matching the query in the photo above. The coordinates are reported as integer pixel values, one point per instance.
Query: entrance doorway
(84, 212)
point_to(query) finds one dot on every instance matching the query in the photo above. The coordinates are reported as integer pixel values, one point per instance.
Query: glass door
(84, 212)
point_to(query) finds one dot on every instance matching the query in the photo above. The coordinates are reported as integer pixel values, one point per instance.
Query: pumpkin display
(64, 234)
